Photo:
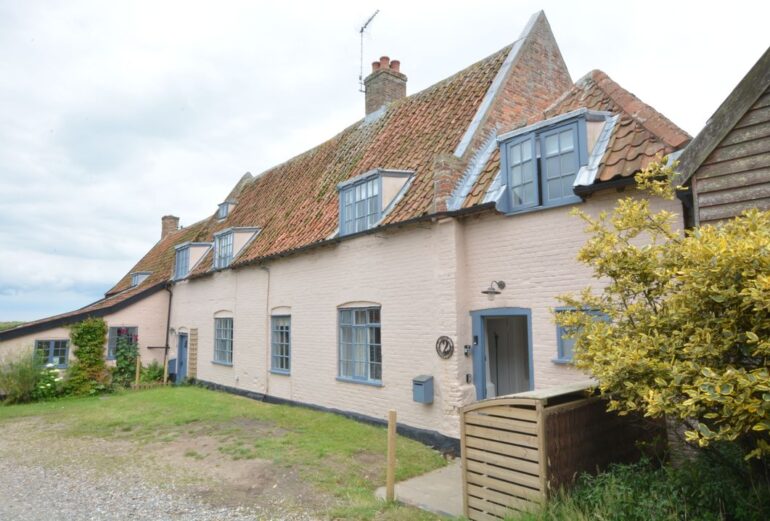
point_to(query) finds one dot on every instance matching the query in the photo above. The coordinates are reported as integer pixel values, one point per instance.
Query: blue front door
(511, 362)
(181, 359)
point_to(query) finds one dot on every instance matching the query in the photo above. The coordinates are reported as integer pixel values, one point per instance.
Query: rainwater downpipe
(168, 333)
(267, 331)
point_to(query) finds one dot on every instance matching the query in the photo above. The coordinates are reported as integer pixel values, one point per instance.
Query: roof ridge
(641, 112)
(388, 109)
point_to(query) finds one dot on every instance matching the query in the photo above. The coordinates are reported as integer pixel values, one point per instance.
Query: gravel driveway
(46, 477)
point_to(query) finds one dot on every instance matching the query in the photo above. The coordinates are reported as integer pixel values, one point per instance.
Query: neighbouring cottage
(411, 261)
(727, 165)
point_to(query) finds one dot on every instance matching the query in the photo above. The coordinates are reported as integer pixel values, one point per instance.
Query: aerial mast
(361, 69)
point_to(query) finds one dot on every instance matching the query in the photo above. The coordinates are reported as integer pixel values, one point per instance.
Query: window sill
(280, 372)
(226, 364)
(562, 361)
(566, 202)
(371, 383)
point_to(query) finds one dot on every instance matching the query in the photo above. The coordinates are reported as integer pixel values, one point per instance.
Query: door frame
(181, 356)
(480, 349)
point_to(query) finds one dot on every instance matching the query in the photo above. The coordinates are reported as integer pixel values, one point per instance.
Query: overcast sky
(115, 113)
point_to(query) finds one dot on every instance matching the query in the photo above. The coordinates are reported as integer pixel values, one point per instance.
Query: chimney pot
(385, 84)
(168, 224)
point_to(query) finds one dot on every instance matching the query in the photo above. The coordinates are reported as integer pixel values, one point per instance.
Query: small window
(565, 346)
(223, 210)
(182, 265)
(223, 341)
(130, 334)
(360, 351)
(360, 206)
(53, 352)
(281, 344)
(139, 277)
(223, 250)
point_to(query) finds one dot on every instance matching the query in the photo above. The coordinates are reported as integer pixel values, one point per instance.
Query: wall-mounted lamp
(491, 290)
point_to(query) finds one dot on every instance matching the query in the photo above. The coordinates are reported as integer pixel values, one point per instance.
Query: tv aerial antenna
(361, 68)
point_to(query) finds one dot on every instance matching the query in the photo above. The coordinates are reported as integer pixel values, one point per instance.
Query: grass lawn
(339, 457)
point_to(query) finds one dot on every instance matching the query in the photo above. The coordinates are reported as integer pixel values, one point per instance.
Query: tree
(688, 329)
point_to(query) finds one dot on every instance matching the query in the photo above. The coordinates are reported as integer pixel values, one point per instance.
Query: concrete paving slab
(440, 491)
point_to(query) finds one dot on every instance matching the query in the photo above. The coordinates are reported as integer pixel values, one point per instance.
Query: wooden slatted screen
(502, 458)
(518, 448)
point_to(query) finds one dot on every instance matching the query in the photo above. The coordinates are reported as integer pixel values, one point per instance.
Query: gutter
(621, 182)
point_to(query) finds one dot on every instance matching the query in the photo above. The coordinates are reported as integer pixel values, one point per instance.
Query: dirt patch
(217, 477)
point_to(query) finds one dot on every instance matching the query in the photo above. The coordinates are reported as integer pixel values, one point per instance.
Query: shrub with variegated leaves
(688, 329)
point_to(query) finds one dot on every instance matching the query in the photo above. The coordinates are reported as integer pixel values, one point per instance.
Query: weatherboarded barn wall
(736, 175)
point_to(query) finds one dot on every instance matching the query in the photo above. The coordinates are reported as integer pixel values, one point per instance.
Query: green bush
(712, 487)
(88, 374)
(687, 334)
(126, 351)
(48, 383)
(152, 373)
(19, 377)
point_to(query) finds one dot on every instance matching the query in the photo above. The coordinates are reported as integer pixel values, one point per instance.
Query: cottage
(411, 261)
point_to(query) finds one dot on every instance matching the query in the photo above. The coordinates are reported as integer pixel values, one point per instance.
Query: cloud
(114, 114)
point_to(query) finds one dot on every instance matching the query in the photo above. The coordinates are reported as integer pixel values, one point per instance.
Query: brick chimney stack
(386, 83)
(168, 224)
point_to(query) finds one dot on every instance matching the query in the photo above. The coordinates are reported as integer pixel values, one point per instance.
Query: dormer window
(541, 162)
(223, 211)
(188, 255)
(366, 198)
(360, 206)
(230, 242)
(223, 249)
(139, 277)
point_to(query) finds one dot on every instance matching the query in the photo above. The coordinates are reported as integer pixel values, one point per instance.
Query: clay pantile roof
(296, 203)
(159, 261)
(641, 134)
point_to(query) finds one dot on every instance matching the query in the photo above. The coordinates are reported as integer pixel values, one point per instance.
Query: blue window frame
(223, 341)
(223, 250)
(541, 166)
(360, 205)
(560, 163)
(281, 344)
(54, 352)
(565, 346)
(360, 350)
(522, 165)
(129, 333)
(182, 263)
(223, 210)
(139, 277)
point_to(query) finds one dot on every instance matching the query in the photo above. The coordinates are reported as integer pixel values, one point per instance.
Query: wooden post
(390, 485)
(138, 369)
